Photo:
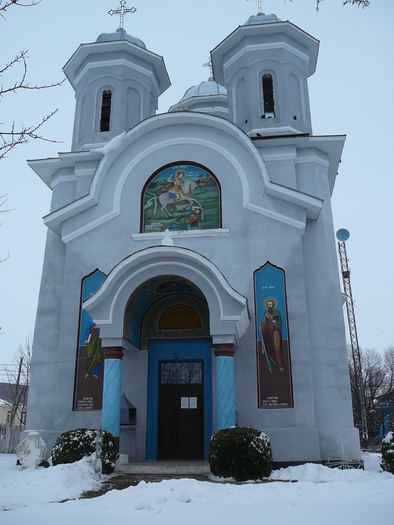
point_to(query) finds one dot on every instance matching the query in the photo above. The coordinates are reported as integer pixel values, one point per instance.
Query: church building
(190, 280)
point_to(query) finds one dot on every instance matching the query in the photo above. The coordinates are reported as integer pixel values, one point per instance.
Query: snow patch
(321, 495)
(111, 146)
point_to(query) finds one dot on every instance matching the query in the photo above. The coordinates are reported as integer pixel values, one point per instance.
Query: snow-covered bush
(241, 453)
(387, 462)
(73, 445)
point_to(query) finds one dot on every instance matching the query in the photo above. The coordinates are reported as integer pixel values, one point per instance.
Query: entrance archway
(228, 310)
(169, 317)
(186, 281)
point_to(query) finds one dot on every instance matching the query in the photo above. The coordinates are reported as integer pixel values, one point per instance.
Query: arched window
(268, 96)
(178, 317)
(105, 110)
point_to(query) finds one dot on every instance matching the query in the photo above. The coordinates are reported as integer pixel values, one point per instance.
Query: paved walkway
(131, 474)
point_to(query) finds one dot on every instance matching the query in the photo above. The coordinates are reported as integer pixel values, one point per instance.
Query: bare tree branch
(21, 58)
(358, 3)
(2, 204)
(3, 200)
(378, 385)
(1, 261)
(15, 135)
(6, 5)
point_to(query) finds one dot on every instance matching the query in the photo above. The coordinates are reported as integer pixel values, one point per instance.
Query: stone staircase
(166, 469)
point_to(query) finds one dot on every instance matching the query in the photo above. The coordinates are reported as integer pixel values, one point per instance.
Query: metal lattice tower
(353, 336)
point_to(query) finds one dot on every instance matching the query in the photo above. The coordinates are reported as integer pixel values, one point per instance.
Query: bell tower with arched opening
(117, 83)
(264, 65)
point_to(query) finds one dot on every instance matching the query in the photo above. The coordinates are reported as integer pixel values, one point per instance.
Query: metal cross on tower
(259, 6)
(123, 10)
(209, 64)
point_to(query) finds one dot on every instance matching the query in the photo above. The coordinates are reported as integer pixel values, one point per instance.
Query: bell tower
(117, 83)
(264, 65)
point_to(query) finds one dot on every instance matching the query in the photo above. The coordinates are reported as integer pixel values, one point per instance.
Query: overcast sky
(350, 93)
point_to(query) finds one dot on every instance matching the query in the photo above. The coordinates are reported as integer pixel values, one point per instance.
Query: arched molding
(228, 310)
(157, 138)
(209, 130)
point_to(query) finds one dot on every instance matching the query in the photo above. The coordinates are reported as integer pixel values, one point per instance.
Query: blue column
(112, 392)
(225, 403)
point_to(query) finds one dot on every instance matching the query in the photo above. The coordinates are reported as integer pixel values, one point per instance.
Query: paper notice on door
(193, 402)
(184, 402)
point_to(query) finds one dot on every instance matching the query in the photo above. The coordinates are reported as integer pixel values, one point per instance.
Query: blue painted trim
(167, 350)
(225, 404)
(111, 396)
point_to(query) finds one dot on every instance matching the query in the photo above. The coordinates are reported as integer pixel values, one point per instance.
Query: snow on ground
(320, 496)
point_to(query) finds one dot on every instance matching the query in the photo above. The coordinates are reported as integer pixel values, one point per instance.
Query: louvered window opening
(105, 110)
(268, 97)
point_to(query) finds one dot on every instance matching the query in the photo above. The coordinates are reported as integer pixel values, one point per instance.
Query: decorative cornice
(264, 47)
(117, 63)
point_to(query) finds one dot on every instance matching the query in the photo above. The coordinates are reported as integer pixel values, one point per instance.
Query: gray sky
(350, 93)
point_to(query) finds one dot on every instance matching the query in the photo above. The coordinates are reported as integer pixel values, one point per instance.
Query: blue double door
(179, 424)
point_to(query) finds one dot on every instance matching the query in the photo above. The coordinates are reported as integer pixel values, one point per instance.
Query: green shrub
(73, 445)
(241, 453)
(387, 462)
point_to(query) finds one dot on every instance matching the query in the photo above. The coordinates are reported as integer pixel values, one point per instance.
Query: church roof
(111, 43)
(120, 35)
(261, 18)
(7, 393)
(203, 89)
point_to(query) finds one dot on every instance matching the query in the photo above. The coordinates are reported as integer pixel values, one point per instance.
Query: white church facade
(190, 270)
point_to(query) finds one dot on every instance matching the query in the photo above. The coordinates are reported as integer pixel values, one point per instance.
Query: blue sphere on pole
(343, 235)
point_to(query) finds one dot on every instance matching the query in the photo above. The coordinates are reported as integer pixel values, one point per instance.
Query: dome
(120, 35)
(207, 88)
(206, 97)
(261, 18)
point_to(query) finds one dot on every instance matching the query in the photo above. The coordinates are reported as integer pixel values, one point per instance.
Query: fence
(9, 438)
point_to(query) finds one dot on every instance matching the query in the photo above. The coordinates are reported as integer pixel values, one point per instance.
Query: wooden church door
(181, 410)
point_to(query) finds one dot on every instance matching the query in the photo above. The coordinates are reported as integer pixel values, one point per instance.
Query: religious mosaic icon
(88, 387)
(272, 335)
(181, 197)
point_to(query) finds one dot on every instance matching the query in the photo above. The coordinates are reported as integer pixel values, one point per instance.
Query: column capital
(224, 350)
(113, 352)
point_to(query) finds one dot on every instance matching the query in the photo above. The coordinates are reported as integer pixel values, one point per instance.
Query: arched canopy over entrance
(167, 307)
(228, 311)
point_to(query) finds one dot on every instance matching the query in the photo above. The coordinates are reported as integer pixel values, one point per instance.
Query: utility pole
(16, 396)
(342, 236)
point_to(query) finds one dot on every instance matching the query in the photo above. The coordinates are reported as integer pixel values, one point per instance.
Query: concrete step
(166, 468)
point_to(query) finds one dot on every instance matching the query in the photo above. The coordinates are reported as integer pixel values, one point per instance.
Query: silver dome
(206, 88)
(262, 18)
(120, 35)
